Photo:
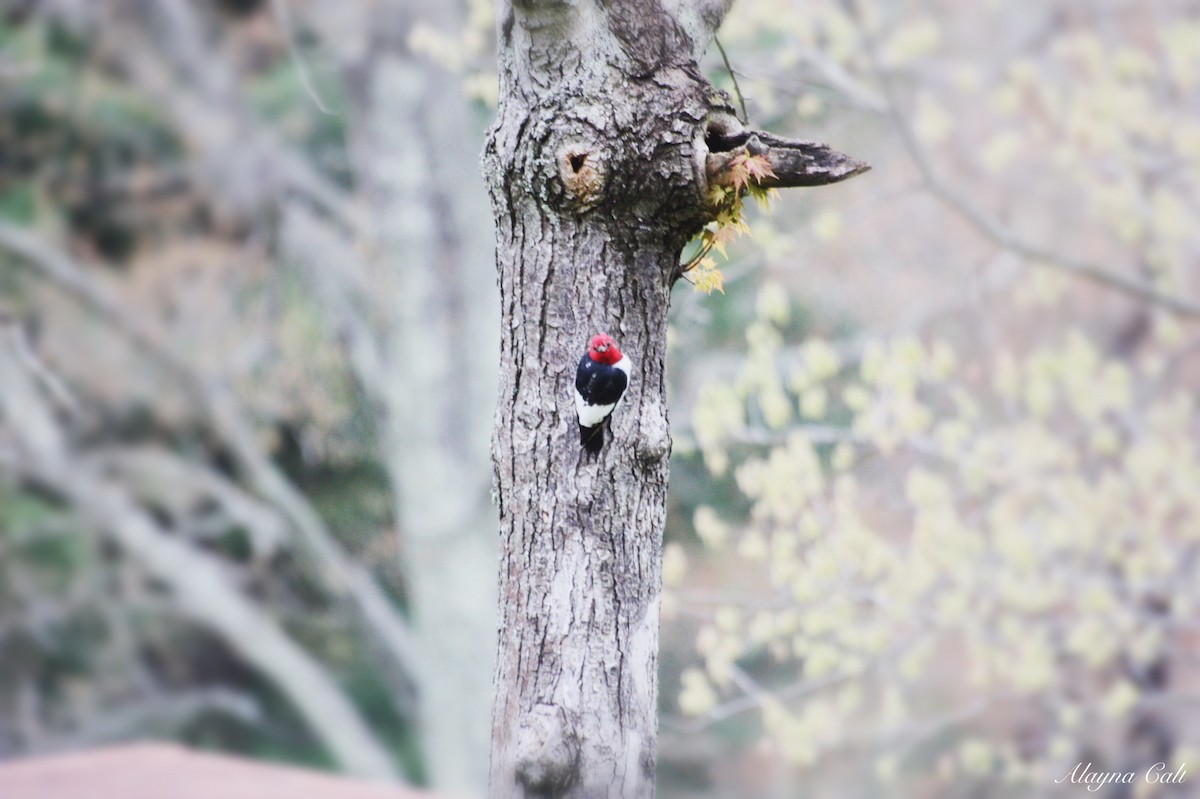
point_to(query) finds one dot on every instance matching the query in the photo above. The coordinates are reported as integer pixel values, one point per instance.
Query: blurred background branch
(187, 144)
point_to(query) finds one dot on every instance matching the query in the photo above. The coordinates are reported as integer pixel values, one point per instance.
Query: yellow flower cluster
(1002, 539)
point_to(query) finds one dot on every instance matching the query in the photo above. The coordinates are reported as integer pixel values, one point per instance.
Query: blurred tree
(412, 297)
(203, 152)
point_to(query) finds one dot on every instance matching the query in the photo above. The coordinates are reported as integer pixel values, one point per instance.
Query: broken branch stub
(794, 162)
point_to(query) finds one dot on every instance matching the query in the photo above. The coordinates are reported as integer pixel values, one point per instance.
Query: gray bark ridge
(598, 167)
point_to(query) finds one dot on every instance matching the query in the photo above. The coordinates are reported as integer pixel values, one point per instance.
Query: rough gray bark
(598, 169)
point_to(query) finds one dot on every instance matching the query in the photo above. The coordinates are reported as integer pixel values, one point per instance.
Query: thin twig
(695, 260)
(63, 399)
(736, 88)
(289, 35)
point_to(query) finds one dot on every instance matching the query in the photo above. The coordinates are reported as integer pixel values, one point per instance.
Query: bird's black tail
(592, 438)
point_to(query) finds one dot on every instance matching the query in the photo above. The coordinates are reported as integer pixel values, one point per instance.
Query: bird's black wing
(599, 383)
(583, 374)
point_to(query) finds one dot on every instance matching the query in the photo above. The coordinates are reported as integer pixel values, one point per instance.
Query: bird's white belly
(591, 415)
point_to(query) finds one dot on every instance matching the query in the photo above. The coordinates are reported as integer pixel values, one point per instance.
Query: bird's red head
(603, 349)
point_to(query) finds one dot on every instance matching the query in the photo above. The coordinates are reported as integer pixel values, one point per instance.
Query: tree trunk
(576, 675)
(599, 170)
(592, 174)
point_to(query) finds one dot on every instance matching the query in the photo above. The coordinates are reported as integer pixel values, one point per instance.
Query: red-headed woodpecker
(599, 383)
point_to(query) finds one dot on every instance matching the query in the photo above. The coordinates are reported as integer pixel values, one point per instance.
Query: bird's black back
(599, 383)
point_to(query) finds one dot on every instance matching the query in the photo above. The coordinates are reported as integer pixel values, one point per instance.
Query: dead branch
(794, 162)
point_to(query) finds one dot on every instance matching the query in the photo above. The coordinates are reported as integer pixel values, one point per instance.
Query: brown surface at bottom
(167, 771)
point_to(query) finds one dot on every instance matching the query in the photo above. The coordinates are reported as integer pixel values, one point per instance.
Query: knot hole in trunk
(547, 752)
(582, 171)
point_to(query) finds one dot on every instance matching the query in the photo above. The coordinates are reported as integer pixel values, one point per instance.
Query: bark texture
(598, 169)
